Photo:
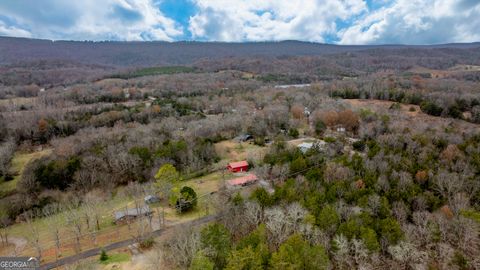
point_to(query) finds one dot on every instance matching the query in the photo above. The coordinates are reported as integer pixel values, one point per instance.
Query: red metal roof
(243, 180)
(238, 164)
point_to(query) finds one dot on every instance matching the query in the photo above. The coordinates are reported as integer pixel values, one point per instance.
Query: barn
(240, 166)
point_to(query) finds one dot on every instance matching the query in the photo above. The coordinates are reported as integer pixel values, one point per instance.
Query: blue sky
(326, 21)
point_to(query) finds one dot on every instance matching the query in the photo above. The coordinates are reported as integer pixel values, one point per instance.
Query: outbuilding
(131, 214)
(243, 181)
(151, 199)
(240, 166)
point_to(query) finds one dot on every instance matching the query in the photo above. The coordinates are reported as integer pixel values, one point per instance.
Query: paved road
(124, 243)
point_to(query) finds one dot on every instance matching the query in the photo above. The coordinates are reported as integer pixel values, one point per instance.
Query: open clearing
(19, 161)
(414, 120)
(232, 150)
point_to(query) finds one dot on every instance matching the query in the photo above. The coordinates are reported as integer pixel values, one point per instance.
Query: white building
(304, 147)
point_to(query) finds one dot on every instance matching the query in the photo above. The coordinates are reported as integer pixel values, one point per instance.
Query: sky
(324, 21)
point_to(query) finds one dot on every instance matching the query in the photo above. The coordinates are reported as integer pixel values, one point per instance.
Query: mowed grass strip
(151, 71)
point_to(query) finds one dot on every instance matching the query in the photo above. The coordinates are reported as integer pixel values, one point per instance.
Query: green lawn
(116, 258)
(472, 214)
(19, 161)
(154, 71)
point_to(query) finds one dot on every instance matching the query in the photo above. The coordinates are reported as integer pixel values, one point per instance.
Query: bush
(431, 108)
(103, 255)
(359, 145)
(320, 127)
(293, 132)
(395, 106)
(260, 141)
(147, 243)
(329, 139)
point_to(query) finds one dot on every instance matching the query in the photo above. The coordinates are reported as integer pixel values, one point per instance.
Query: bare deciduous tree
(34, 236)
(182, 247)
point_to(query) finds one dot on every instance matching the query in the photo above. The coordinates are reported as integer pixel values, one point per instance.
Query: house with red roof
(240, 166)
(243, 181)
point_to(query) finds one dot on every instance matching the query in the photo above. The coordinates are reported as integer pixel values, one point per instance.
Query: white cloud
(417, 22)
(6, 30)
(342, 21)
(242, 20)
(92, 19)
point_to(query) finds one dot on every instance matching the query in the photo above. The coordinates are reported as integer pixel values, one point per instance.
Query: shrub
(320, 127)
(103, 255)
(147, 243)
(359, 145)
(395, 106)
(293, 132)
(329, 139)
(260, 141)
(431, 108)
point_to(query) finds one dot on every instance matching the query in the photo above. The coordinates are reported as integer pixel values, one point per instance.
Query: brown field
(413, 120)
(435, 73)
(18, 101)
(234, 151)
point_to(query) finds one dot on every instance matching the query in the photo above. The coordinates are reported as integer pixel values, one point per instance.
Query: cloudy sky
(326, 21)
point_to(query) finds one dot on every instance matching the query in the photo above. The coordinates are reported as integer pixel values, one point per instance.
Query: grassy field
(19, 161)
(235, 151)
(154, 71)
(116, 258)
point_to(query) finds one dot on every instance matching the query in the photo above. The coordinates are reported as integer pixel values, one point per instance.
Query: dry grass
(298, 141)
(416, 121)
(235, 151)
(377, 105)
(18, 101)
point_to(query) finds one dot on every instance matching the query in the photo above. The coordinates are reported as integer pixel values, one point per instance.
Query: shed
(151, 199)
(244, 138)
(304, 147)
(243, 181)
(240, 166)
(131, 213)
